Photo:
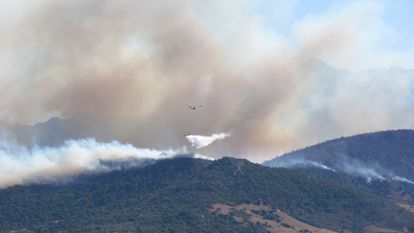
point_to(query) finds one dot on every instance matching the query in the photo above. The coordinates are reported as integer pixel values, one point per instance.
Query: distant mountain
(379, 155)
(55, 131)
(193, 195)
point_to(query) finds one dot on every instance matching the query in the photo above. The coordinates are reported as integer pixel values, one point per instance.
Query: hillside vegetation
(177, 195)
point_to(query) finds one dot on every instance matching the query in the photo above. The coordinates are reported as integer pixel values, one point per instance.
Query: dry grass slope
(275, 220)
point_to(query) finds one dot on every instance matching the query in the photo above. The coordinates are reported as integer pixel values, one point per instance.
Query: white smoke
(344, 164)
(199, 141)
(359, 168)
(199, 156)
(402, 179)
(21, 165)
(298, 163)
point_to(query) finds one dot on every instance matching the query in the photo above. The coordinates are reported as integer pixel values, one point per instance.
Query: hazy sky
(387, 21)
(242, 60)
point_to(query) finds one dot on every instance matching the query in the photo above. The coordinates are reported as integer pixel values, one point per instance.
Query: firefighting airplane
(194, 107)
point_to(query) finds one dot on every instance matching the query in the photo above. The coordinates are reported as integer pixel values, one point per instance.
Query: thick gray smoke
(145, 61)
(21, 165)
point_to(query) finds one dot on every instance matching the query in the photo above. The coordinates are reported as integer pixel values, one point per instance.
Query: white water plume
(199, 141)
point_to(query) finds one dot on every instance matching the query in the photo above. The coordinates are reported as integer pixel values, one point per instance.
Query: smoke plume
(21, 165)
(297, 163)
(341, 163)
(145, 61)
